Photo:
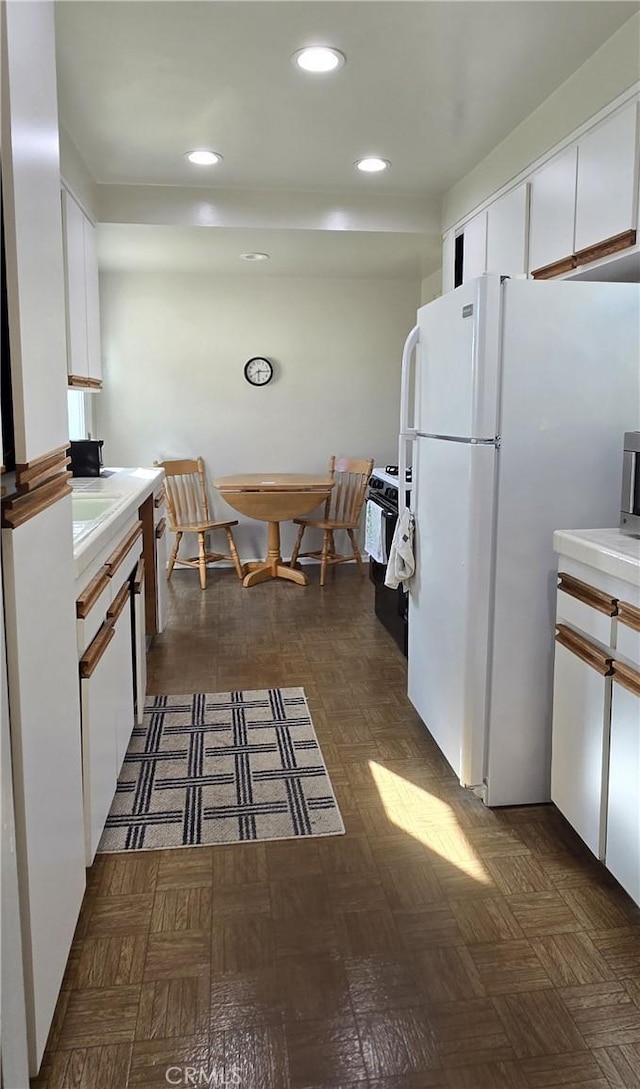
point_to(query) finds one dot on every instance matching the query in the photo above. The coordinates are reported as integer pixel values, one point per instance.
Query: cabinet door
(623, 810)
(33, 230)
(606, 198)
(94, 348)
(99, 746)
(42, 665)
(74, 254)
(448, 261)
(581, 695)
(123, 687)
(474, 256)
(553, 206)
(507, 221)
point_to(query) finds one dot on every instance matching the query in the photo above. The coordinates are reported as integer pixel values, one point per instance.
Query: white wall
(604, 76)
(76, 174)
(431, 287)
(174, 347)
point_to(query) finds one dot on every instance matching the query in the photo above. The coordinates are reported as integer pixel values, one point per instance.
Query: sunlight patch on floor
(429, 820)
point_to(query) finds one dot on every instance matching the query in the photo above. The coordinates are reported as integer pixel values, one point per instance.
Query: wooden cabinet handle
(629, 615)
(614, 244)
(117, 557)
(547, 272)
(583, 649)
(160, 528)
(94, 652)
(627, 676)
(118, 603)
(588, 595)
(159, 499)
(91, 593)
(138, 577)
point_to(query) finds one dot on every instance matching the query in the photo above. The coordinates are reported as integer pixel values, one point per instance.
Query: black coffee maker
(86, 457)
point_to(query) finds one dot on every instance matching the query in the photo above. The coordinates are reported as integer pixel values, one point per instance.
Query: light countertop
(129, 488)
(608, 550)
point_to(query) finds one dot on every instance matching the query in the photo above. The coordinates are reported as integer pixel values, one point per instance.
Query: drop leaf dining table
(274, 498)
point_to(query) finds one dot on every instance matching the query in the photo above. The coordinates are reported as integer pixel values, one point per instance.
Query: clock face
(258, 371)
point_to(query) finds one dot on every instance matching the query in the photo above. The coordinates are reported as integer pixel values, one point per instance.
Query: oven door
(377, 571)
(391, 606)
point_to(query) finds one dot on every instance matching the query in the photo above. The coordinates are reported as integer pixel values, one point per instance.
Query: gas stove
(388, 475)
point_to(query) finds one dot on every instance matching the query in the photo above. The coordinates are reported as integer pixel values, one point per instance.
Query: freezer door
(458, 362)
(450, 596)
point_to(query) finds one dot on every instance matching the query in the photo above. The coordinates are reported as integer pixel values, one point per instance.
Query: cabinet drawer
(585, 607)
(91, 607)
(125, 557)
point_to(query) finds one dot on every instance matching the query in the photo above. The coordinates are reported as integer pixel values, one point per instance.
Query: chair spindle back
(186, 488)
(351, 476)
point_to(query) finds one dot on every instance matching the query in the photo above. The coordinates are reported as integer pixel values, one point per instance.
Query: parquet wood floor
(438, 945)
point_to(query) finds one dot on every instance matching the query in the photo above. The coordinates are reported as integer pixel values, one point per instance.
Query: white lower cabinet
(581, 696)
(595, 763)
(45, 741)
(106, 672)
(623, 809)
(123, 695)
(98, 671)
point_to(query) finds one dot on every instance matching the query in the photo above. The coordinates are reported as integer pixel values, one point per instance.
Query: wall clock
(258, 371)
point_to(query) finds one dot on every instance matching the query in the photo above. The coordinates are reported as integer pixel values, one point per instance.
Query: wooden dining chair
(342, 511)
(188, 512)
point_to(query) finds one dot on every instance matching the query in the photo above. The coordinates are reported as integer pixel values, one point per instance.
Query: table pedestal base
(273, 567)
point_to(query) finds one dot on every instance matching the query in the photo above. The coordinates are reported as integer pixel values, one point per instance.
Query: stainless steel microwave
(630, 502)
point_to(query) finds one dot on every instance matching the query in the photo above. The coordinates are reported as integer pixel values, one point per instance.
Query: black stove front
(391, 606)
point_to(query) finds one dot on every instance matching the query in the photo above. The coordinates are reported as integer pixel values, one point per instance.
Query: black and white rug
(222, 768)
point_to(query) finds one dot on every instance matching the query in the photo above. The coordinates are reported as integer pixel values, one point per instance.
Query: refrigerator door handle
(407, 433)
(405, 380)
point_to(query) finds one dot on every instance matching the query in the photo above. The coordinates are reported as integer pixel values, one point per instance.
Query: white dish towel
(401, 564)
(374, 535)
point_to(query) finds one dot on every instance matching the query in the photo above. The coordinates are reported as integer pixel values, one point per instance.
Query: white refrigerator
(515, 398)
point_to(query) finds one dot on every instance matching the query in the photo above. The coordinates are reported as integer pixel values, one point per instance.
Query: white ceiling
(334, 254)
(432, 86)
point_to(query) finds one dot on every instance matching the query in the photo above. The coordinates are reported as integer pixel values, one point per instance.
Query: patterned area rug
(222, 768)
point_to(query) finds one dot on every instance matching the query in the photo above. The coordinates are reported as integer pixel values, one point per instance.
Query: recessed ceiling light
(372, 165)
(204, 158)
(319, 59)
(254, 256)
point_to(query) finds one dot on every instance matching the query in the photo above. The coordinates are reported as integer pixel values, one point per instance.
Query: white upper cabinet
(82, 298)
(553, 204)
(507, 222)
(474, 254)
(34, 266)
(607, 191)
(448, 261)
(94, 350)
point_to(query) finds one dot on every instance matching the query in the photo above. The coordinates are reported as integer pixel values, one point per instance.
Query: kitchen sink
(86, 508)
(89, 510)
